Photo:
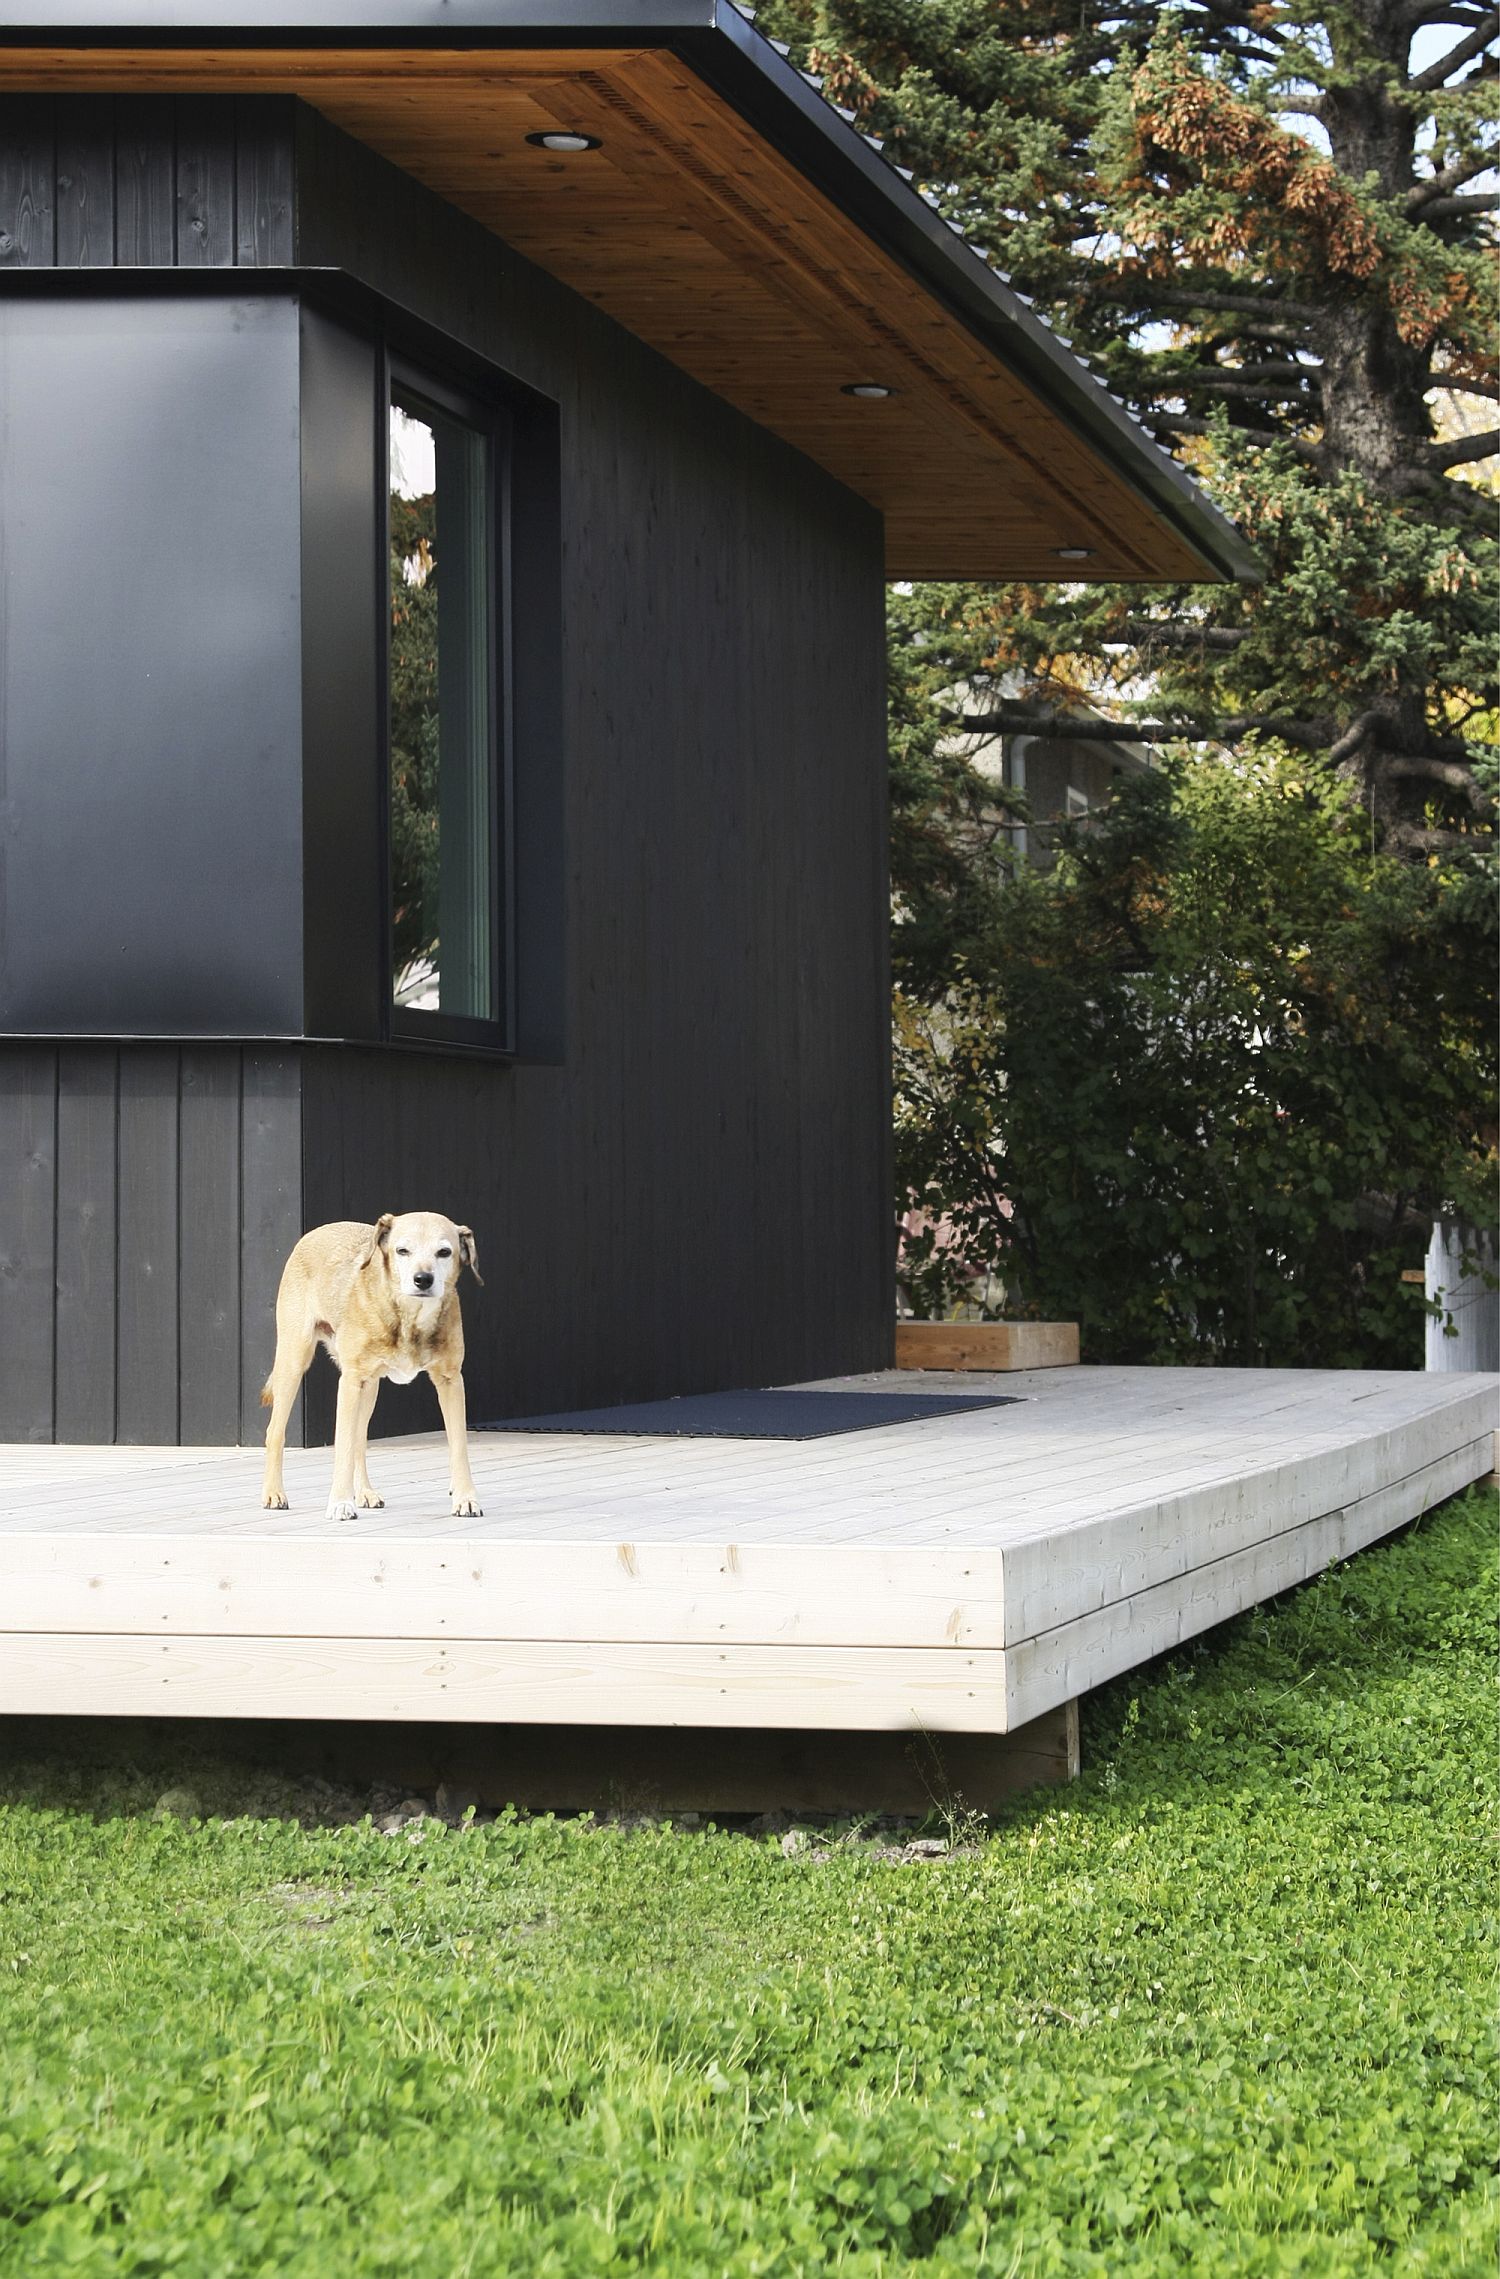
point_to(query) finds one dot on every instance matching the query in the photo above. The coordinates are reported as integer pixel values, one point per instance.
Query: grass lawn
(1223, 2007)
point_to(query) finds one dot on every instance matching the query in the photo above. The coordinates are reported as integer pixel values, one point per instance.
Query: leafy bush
(1204, 1086)
(1222, 2007)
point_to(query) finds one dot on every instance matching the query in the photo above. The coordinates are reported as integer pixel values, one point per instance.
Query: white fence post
(1473, 1308)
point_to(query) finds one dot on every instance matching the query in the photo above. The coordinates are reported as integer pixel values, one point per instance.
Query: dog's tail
(265, 1394)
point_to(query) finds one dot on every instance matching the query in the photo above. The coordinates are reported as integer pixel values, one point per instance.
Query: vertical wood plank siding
(86, 183)
(148, 1196)
(208, 1270)
(147, 1246)
(272, 1216)
(698, 1193)
(88, 1100)
(145, 182)
(28, 195)
(28, 1310)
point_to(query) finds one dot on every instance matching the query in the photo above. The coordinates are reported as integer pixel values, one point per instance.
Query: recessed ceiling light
(1075, 553)
(559, 139)
(871, 390)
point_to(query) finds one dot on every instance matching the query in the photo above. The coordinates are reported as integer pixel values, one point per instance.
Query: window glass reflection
(442, 815)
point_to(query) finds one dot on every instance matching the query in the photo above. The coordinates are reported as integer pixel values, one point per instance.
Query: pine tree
(1261, 223)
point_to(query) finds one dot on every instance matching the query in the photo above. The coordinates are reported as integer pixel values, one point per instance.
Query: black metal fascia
(721, 45)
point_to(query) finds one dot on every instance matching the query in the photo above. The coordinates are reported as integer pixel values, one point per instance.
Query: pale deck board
(916, 1483)
(862, 1689)
(648, 1594)
(1047, 1546)
(1060, 1663)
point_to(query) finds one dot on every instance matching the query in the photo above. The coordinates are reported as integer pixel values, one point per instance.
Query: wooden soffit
(694, 231)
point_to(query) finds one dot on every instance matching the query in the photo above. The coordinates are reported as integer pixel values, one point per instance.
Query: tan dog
(384, 1300)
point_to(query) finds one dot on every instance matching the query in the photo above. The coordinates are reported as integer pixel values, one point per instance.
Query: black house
(448, 471)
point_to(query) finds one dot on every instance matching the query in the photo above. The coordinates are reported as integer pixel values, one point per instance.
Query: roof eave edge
(719, 43)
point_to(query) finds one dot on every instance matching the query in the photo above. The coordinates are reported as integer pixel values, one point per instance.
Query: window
(447, 822)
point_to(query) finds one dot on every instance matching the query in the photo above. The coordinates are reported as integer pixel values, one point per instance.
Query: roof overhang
(731, 218)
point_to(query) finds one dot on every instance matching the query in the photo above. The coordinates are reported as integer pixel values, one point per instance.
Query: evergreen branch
(1451, 209)
(1146, 631)
(1466, 387)
(1066, 728)
(1424, 839)
(1231, 17)
(1464, 450)
(1451, 177)
(1359, 733)
(1476, 43)
(1454, 502)
(1430, 767)
(1231, 304)
(1234, 384)
(1245, 375)
(1280, 336)
(1171, 423)
(1415, 13)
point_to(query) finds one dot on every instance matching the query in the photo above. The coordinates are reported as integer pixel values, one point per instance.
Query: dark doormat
(767, 1414)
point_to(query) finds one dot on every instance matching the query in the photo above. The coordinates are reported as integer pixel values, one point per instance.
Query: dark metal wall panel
(343, 888)
(150, 866)
(88, 1107)
(28, 1156)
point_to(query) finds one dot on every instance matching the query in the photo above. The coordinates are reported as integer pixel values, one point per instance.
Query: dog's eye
(403, 1254)
(445, 1254)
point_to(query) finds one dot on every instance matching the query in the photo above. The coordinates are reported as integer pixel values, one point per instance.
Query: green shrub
(1204, 1087)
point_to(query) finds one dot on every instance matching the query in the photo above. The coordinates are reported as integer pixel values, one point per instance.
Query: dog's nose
(423, 1281)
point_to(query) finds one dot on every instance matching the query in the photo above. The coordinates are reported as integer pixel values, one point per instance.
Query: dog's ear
(469, 1254)
(380, 1235)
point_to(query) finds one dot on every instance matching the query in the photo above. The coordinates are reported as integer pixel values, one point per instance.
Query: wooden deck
(967, 1574)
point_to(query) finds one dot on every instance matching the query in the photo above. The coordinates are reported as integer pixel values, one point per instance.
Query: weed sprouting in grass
(1222, 2007)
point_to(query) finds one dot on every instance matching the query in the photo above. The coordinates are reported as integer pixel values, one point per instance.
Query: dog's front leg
(364, 1493)
(294, 1350)
(450, 1393)
(345, 1444)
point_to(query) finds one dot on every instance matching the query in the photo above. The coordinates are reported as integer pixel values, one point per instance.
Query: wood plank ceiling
(691, 231)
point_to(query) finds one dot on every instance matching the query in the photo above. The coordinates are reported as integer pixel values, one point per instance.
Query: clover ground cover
(1223, 2007)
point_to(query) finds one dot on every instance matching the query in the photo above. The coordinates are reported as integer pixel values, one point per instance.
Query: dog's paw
(466, 1507)
(340, 1510)
(273, 1503)
(369, 1501)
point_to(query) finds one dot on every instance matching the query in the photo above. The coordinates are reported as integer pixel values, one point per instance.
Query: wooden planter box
(986, 1345)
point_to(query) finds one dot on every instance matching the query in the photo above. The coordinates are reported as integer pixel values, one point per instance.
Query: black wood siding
(153, 181)
(700, 1195)
(151, 1194)
(697, 1193)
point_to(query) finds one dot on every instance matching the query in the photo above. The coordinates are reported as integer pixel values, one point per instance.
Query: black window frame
(409, 377)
